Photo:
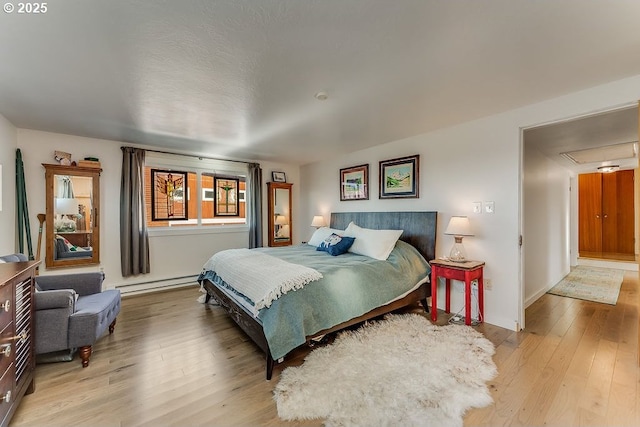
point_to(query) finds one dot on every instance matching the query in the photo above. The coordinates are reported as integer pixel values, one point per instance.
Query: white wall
(8, 144)
(174, 258)
(474, 161)
(547, 206)
(456, 169)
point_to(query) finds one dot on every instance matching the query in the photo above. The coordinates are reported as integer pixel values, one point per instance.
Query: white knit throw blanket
(260, 277)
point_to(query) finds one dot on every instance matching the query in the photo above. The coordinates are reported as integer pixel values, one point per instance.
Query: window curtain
(134, 239)
(65, 187)
(254, 184)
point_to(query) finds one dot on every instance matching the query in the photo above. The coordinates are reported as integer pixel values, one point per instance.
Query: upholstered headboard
(419, 227)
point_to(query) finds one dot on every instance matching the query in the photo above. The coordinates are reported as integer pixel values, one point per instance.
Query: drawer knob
(6, 306)
(5, 350)
(21, 337)
(7, 397)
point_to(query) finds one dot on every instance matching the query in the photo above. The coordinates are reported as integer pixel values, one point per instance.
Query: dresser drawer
(7, 392)
(7, 347)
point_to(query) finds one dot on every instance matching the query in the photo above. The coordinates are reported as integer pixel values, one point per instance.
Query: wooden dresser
(17, 347)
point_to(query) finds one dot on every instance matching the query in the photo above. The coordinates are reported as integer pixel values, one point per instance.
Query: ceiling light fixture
(608, 168)
(321, 96)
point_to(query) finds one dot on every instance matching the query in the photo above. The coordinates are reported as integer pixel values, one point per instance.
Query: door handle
(598, 216)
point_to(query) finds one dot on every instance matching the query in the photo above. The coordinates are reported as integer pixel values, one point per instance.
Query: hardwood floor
(609, 256)
(175, 362)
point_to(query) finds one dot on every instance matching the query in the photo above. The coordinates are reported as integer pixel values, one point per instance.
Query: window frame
(199, 167)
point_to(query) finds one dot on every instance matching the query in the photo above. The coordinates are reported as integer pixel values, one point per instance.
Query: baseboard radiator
(157, 285)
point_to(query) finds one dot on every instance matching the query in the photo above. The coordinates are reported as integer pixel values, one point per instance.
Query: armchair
(71, 311)
(61, 251)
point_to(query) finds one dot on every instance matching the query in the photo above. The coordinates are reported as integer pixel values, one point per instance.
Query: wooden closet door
(590, 212)
(618, 212)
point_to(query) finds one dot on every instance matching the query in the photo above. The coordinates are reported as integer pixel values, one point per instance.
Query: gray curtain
(254, 189)
(134, 239)
(66, 187)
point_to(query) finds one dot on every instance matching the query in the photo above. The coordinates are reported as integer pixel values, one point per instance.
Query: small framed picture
(278, 177)
(354, 183)
(399, 177)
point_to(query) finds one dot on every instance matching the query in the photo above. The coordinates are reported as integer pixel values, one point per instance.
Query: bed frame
(419, 231)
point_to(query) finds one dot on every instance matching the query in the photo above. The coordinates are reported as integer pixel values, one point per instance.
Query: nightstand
(466, 272)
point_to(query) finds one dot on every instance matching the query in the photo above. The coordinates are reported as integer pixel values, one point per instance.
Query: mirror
(280, 226)
(73, 204)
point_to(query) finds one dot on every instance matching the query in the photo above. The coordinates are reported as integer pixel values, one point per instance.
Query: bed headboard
(419, 227)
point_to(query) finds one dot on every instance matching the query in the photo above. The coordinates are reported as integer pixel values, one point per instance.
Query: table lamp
(69, 207)
(318, 221)
(458, 227)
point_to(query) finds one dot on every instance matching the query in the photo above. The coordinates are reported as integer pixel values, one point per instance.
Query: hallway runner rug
(591, 283)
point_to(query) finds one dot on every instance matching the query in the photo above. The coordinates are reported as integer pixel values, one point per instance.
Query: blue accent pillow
(335, 244)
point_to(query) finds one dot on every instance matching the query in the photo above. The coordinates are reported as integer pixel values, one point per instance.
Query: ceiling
(237, 78)
(605, 135)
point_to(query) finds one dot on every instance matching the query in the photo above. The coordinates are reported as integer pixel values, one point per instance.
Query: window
(191, 192)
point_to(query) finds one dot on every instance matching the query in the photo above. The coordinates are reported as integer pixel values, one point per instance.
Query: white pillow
(376, 244)
(322, 233)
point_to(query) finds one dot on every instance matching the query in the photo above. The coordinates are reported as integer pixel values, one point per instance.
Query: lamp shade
(318, 221)
(459, 226)
(281, 220)
(66, 206)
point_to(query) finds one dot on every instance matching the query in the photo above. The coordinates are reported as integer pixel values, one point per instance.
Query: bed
(325, 305)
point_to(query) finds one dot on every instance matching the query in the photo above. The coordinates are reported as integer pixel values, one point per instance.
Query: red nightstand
(464, 271)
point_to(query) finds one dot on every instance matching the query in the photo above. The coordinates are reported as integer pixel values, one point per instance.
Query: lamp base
(458, 254)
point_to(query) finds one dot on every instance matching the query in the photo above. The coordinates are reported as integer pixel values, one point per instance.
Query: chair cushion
(94, 313)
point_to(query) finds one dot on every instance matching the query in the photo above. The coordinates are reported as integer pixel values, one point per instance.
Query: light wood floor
(175, 362)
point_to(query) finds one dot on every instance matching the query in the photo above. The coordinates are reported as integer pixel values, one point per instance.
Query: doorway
(549, 187)
(606, 215)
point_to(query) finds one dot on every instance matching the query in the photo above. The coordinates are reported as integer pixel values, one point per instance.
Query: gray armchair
(72, 311)
(62, 252)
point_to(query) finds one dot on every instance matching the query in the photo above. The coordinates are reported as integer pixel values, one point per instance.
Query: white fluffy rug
(402, 371)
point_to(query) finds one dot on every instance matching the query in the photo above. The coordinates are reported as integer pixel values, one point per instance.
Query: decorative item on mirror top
(278, 176)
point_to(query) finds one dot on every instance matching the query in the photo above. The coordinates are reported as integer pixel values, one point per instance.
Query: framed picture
(226, 202)
(399, 178)
(278, 177)
(167, 195)
(354, 183)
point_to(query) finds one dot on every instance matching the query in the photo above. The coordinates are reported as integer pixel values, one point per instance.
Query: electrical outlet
(488, 284)
(489, 207)
(477, 207)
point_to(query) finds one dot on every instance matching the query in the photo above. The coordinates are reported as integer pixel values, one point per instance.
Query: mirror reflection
(280, 228)
(73, 216)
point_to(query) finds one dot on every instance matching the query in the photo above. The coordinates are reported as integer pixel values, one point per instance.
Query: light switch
(489, 207)
(477, 207)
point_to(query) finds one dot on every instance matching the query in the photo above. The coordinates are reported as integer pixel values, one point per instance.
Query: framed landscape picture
(354, 183)
(399, 177)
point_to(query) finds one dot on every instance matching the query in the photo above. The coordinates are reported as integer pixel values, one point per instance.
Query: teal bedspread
(352, 285)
